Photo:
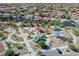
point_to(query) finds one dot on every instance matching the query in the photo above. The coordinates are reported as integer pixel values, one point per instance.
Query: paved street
(31, 51)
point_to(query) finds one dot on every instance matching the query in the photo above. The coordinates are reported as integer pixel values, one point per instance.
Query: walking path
(73, 37)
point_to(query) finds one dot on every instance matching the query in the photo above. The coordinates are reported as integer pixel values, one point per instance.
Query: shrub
(1, 34)
(72, 47)
(9, 52)
(76, 31)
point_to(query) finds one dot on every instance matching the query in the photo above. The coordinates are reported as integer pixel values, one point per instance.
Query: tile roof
(1, 47)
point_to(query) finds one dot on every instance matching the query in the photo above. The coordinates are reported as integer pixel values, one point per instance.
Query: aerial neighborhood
(39, 29)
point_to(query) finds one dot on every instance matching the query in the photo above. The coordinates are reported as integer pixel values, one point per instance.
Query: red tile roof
(39, 30)
(1, 47)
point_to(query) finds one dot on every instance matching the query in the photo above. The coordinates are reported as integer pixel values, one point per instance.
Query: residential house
(39, 30)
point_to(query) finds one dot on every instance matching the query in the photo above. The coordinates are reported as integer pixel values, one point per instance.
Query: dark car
(59, 51)
(70, 23)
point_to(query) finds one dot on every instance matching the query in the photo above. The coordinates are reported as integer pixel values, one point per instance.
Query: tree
(41, 43)
(20, 47)
(1, 34)
(4, 38)
(9, 52)
(66, 15)
(70, 44)
(72, 47)
(69, 39)
(76, 31)
(44, 36)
